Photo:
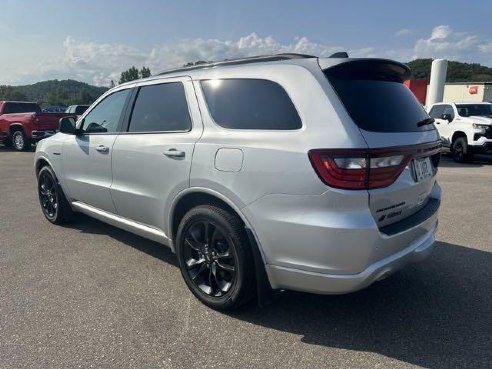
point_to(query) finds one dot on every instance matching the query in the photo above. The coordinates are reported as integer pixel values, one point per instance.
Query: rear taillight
(363, 169)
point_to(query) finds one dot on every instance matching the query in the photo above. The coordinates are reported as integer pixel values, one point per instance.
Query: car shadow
(476, 162)
(436, 314)
(11, 149)
(86, 224)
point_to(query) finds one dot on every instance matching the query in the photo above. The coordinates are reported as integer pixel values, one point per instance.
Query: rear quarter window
(375, 97)
(257, 104)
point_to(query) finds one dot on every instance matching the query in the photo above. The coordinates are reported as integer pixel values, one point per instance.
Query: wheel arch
(195, 196)
(13, 127)
(192, 197)
(42, 162)
(458, 134)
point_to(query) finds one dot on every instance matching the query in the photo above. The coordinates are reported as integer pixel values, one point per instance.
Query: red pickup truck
(23, 123)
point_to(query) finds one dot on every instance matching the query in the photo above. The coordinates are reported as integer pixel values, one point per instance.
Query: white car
(284, 171)
(466, 128)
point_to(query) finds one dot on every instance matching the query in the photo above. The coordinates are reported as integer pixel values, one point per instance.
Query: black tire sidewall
(234, 231)
(461, 141)
(59, 216)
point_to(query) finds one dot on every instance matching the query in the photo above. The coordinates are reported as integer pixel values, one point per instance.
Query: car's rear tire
(20, 141)
(53, 202)
(215, 257)
(460, 150)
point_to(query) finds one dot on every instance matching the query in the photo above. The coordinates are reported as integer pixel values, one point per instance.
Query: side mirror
(447, 117)
(67, 125)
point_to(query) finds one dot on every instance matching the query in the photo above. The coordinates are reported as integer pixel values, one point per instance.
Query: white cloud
(444, 42)
(440, 33)
(486, 48)
(403, 32)
(99, 63)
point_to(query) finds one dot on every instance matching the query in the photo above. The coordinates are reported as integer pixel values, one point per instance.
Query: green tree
(145, 72)
(457, 71)
(129, 75)
(84, 97)
(133, 74)
(11, 93)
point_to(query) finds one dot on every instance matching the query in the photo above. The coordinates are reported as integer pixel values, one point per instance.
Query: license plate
(422, 169)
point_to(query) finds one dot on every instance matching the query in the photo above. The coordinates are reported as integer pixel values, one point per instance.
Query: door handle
(102, 148)
(173, 153)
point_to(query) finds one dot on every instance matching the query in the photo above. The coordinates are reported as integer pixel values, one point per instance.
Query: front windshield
(468, 110)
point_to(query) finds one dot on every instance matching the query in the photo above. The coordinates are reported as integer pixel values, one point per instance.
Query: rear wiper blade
(425, 122)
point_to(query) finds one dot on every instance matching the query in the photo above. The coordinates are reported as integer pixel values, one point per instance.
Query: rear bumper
(331, 244)
(40, 134)
(295, 279)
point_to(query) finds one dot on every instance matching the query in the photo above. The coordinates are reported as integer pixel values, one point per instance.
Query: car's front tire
(215, 257)
(53, 202)
(460, 150)
(20, 141)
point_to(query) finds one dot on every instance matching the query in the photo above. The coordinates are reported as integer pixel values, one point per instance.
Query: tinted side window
(250, 104)
(80, 109)
(12, 108)
(436, 111)
(448, 109)
(105, 117)
(160, 108)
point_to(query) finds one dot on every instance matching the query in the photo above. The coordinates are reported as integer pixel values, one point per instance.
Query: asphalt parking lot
(90, 295)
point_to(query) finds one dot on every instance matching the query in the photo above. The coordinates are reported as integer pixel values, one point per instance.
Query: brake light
(363, 169)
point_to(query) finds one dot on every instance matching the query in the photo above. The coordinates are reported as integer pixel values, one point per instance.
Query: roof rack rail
(340, 54)
(248, 60)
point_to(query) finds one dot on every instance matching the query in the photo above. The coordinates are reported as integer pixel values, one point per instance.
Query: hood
(481, 119)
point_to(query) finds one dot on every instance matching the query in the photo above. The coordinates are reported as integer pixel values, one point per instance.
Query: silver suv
(277, 172)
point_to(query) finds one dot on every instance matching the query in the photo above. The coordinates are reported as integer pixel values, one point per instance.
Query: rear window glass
(250, 104)
(377, 101)
(11, 108)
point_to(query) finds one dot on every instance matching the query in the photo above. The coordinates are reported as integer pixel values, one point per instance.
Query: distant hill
(67, 92)
(457, 71)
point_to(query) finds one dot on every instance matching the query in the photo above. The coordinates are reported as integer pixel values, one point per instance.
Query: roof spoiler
(340, 54)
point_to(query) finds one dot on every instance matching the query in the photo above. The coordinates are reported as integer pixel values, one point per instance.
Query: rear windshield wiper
(425, 122)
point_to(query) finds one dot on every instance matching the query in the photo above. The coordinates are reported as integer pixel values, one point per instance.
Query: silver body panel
(311, 237)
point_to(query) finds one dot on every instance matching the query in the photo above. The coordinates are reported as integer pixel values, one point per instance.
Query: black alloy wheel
(460, 150)
(48, 196)
(215, 258)
(53, 203)
(210, 259)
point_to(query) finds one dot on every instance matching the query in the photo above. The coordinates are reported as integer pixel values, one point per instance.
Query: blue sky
(94, 41)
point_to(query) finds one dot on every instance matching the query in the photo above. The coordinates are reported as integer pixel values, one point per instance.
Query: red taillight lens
(363, 169)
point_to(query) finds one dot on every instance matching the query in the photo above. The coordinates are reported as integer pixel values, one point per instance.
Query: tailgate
(410, 192)
(391, 121)
(49, 120)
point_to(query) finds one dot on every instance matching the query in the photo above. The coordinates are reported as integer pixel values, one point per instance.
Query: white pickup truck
(465, 128)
